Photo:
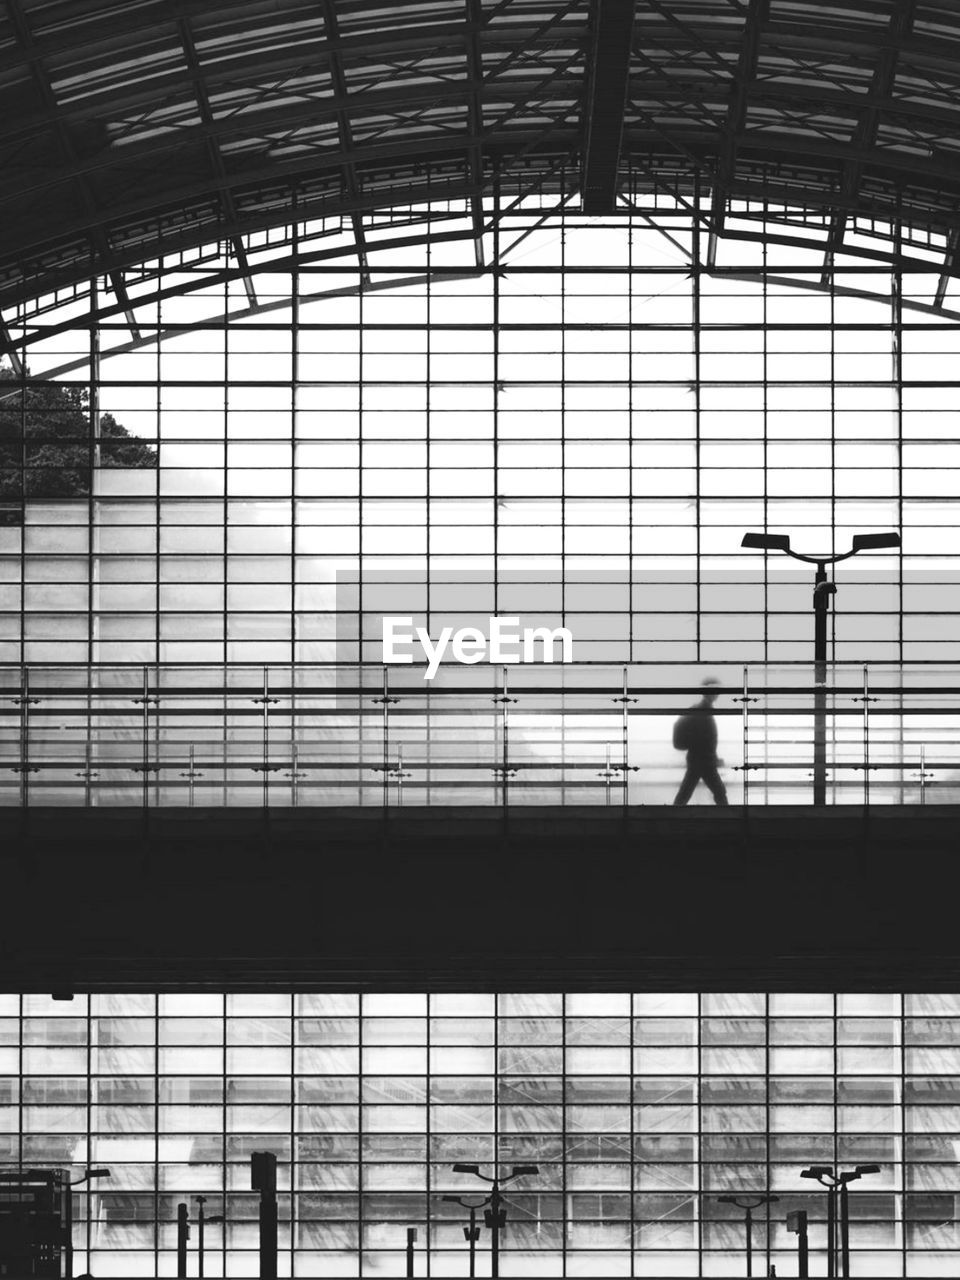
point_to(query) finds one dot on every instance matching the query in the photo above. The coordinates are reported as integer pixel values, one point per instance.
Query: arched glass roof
(134, 132)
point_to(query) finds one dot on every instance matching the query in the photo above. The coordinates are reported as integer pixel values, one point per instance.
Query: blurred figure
(696, 733)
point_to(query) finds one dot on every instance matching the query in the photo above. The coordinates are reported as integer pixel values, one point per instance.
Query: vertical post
(745, 703)
(797, 1223)
(145, 760)
(749, 1224)
(923, 775)
(24, 737)
(192, 772)
(399, 777)
(821, 602)
(607, 776)
(831, 1232)
(386, 741)
(201, 1220)
(411, 1238)
(473, 1234)
(263, 1178)
(495, 1229)
(625, 735)
(68, 1228)
(506, 746)
(266, 737)
(183, 1235)
(866, 738)
(844, 1230)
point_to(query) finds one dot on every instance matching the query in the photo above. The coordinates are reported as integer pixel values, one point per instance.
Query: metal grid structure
(585, 433)
(640, 1111)
(218, 120)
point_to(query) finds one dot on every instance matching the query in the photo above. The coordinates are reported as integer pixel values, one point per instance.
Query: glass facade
(581, 436)
(639, 1110)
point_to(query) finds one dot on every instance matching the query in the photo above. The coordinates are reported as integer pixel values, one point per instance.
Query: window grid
(715, 1094)
(599, 410)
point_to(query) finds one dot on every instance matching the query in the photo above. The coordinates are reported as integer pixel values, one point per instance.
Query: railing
(548, 735)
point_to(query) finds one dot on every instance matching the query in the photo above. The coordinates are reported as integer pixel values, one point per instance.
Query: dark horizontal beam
(766, 898)
(606, 98)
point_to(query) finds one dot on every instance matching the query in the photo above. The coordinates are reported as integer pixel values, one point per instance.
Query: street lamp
(202, 1219)
(495, 1217)
(471, 1233)
(835, 1184)
(822, 591)
(755, 1202)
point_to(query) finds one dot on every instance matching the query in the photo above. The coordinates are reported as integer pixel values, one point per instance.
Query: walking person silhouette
(696, 733)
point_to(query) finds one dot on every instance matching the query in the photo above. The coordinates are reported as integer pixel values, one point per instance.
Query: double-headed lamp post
(495, 1217)
(748, 1203)
(822, 591)
(835, 1183)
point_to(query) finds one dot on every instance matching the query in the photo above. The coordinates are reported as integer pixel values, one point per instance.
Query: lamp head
(766, 541)
(98, 1173)
(519, 1169)
(816, 1171)
(875, 541)
(866, 1168)
(727, 1199)
(467, 1168)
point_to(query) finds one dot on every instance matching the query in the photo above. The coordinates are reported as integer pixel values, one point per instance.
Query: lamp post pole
(494, 1215)
(748, 1203)
(822, 591)
(471, 1233)
(835, 1184)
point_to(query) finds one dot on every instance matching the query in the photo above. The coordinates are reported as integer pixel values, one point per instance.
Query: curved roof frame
(134, 134)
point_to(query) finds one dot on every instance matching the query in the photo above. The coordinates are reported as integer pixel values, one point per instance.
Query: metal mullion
(699, 1192)
(361, 522)
(294, 1154)
(89, 1109)
(23, 513)
(428, 1218)
(156, 1133)
(695, 289)
(832, 771)
(897, 320)
(631, 232)
(901, 1194)
(294, 435)
(361, 1164)
(565, 1214)
(224, 1182)
(631, 1098)
(769, 1180)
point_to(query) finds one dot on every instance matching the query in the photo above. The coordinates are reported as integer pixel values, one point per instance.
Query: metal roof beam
(9, 348)
(475, 155)
(339, 81)
(865, 134)
(757, 13)
(98, 236)
(605, 103)
(213, 151)
(951, 268)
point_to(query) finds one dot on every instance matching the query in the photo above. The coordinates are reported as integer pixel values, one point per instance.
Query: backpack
(684, 733)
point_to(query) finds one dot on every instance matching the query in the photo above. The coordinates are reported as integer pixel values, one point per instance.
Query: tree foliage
(47, 446)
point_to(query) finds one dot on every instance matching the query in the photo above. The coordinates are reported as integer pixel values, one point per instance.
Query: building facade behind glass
(640, 1111)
